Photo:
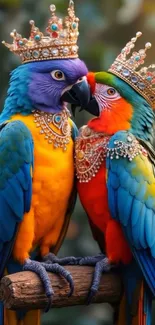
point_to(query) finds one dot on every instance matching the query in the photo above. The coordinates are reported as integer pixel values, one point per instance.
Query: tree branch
(24, 289)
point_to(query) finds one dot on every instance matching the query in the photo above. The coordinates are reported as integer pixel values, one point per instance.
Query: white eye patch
(105, 95)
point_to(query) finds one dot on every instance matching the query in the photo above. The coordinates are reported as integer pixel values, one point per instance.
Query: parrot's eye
(58, 75)
(108, 92)
(111, 91)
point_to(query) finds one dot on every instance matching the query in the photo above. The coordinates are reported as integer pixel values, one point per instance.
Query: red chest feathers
(93, 196)
(91, 151)
(91, 173)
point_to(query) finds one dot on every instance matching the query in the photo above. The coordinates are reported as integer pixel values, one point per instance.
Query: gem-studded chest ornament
(91, 150)
(55, 127)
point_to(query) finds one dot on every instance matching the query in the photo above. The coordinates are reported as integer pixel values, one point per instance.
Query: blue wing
(16, 164)
(131, 198)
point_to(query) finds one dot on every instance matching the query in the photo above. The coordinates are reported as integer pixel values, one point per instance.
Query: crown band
(60, 44)
(142, 80)
(134, 80)
(49, 53)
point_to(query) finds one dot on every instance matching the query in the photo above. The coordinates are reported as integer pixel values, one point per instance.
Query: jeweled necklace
(45, 121)
(92, 148)
(90, 152)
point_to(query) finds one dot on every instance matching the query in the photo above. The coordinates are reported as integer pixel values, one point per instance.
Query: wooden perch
(24, 289)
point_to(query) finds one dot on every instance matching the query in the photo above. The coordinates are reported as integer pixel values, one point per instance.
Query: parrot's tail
(143, 313)
(1, 313)
(9, 317)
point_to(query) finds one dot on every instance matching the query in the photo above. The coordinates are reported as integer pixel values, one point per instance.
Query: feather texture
(137, 217)
(15, 183)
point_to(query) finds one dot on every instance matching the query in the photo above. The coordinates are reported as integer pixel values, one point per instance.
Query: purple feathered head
(50, 81)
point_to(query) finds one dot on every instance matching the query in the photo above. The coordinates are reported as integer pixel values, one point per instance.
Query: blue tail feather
(147, 264)
(1, 313)
(148, 306)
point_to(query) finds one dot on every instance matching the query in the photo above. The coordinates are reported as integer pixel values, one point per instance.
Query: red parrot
(115, 168)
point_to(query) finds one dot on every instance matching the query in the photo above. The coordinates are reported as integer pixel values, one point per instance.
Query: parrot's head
(44, 85)
(118, 106)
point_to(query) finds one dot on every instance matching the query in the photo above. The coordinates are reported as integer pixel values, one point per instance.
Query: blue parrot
(37, 190)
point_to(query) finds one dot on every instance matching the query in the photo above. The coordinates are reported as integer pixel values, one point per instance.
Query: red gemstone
(55, 34)
(87, 163)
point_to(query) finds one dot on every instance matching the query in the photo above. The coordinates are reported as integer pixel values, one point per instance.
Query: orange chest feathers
(52, 185)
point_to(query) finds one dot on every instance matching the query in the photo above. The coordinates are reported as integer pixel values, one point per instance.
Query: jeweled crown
(126, 67)
(59, 43)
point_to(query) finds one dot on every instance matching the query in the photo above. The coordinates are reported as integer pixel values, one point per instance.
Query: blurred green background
(105, 27)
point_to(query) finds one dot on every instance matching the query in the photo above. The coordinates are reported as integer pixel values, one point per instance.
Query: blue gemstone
(149, 78)
(141, 85)
(54, 27)
(74, 25)
(126, 73)
(137, 58)
(21, 43)
(57, 118)
(37, 37)
(27, 55)
(36, 54)
(134, 79)
(45, 53)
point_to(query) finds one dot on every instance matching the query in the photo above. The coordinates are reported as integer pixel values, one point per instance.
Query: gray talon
(41, 268)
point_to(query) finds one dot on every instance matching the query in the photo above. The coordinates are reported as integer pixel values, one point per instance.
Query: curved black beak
(93, 107)
(78, 95)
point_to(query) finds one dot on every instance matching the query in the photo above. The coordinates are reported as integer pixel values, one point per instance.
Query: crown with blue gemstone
(59, 43)
(126, 67)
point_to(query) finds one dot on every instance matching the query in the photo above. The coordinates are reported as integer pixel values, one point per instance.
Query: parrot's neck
(12, 106)
(140, 121)
(57, 108)
(16, 105)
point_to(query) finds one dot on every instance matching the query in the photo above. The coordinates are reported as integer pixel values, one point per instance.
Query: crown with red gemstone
(126, 67)
(59, 43)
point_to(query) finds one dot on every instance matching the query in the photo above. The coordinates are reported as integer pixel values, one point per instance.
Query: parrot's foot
(100, 262)
(41, 268)
(70, 260)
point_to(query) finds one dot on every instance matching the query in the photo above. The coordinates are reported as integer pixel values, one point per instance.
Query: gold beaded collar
(55, 127)
(92, 149)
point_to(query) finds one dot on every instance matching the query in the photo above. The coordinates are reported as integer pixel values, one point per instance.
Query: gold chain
(45, 121)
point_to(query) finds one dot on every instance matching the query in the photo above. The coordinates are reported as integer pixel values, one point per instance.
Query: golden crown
(60, 43)
(127, 68)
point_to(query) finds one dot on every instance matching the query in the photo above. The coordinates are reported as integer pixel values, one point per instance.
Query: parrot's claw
(49, 304)
(91, 294)
(41, 269)
(71, 260)
(101, 266)
(91, 260)
(58, 269)
(100, 262)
